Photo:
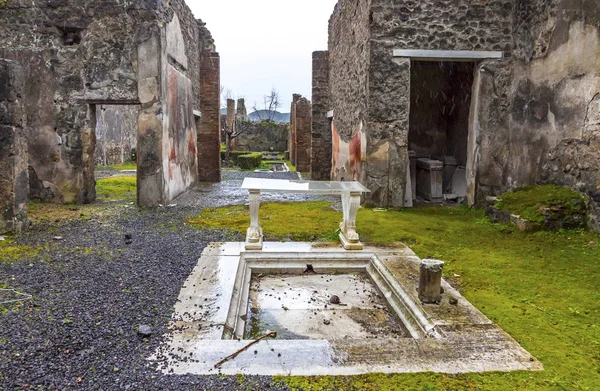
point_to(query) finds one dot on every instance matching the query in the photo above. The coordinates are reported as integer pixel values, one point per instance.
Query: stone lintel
(448, 55)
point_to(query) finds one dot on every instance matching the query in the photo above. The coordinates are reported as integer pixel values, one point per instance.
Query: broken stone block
(430, 281)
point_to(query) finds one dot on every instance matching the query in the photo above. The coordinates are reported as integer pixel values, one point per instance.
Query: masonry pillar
(292, 135)
(230, 122)
(303, 141)
(320, 126)
(14, 176)
(209, 124)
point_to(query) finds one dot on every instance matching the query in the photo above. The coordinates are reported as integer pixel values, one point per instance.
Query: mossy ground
(542, 288)
(11, 251)
(527, 202)
(116, 188)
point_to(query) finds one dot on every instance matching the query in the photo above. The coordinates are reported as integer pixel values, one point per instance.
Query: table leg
(348, 236)
(254, 237)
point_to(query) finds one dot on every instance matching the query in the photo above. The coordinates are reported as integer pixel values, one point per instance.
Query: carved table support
(254, 236)
(348, 236)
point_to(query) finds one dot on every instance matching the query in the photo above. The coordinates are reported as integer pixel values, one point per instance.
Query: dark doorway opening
(440, 102)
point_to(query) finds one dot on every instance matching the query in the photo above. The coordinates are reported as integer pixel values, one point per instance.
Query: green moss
(542, 288)
(116, 188)
(10, 251)
(528, 202)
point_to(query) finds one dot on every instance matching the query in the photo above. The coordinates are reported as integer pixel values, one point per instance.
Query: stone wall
(14, 178)
(209, 127)
(349, 59)
(320, 127)
(555, 92)
(79, 54)
(532, 113)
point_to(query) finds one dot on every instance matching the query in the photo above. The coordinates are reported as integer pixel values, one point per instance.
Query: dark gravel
(91, 291)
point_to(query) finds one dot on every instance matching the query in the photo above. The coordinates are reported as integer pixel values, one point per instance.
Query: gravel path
(94, 287)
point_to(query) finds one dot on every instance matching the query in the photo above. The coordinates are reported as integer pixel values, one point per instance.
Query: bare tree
(233, 130)
(226, 94)
(271, 104)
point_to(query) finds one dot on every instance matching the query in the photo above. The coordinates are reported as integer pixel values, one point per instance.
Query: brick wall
(209, 127)
(321, 127)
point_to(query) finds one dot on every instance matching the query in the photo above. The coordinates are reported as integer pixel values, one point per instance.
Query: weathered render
(530, 116)
(116, 133)
(78, 55)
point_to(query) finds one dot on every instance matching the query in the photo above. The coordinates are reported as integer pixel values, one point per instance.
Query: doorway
(440, 103)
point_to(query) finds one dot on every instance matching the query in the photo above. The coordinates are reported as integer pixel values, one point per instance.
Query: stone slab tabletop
(293, 186)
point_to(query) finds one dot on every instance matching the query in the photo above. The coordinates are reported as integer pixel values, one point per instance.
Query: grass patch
(542, 288)
(528, 202)
(116, 188)
(10, 251)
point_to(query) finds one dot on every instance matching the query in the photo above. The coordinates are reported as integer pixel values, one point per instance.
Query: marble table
(349, 191)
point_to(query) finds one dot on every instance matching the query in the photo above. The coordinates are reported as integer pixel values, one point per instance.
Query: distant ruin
(70, 60)
(509, 90)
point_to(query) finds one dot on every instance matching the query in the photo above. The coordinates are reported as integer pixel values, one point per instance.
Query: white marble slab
(314, 187)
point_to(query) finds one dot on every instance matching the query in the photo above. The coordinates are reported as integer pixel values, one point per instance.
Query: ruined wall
(209, 125)
(432, 25)
(320, 127)
(72, 52)
(81, 53)
(13, 149)
(116, 133)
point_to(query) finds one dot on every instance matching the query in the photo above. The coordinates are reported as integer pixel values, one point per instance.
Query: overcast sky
(266, 43)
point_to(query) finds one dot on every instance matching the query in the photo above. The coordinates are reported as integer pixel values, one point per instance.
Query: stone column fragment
(430, 281)
(209, 124)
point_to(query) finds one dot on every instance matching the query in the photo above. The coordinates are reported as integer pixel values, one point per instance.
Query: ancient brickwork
(78, 54)
(209, 125)
(14, 179)
(321, 126)
(303, 135)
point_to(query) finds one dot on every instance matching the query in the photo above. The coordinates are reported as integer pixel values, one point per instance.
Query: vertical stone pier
(320, 125)
(14, 176)
(292, 138)
(303, 136)
(209, 124)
